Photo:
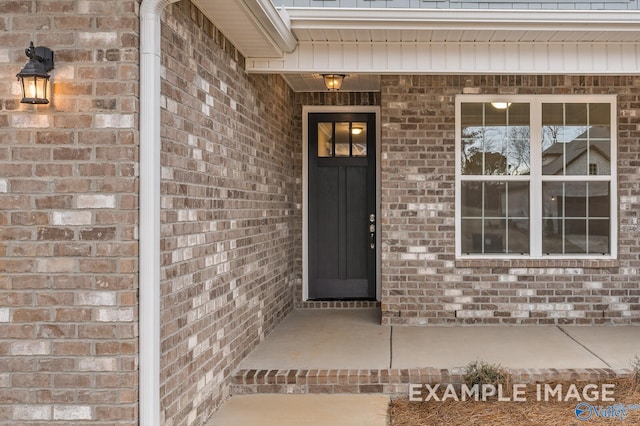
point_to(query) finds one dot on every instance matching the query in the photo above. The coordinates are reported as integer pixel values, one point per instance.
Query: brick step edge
(393, 381)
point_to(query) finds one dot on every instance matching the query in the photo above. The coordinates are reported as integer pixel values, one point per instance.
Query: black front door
(342, 206)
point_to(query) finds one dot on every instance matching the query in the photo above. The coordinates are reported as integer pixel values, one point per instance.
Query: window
(535, 176)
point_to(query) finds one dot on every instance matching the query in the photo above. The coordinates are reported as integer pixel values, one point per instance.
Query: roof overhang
(362, 41)
(255, 27)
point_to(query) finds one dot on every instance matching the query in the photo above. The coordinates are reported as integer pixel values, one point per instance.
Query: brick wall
(228, 212)
(422, 283)
(68, 216)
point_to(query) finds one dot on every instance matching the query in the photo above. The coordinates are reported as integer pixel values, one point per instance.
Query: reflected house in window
(578, 208)
(591, 148)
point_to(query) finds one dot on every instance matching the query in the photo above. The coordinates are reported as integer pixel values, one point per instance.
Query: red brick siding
(422, 283)
(228, 207)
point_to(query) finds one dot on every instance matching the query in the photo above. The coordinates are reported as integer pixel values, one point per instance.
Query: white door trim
(306, 109)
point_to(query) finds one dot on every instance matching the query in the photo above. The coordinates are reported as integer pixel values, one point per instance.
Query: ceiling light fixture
(501, 105)
(333, 82)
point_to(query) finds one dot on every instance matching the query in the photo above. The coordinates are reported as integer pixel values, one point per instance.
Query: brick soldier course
(231, 233)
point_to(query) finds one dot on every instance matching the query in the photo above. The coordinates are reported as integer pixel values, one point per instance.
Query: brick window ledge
(538, 263)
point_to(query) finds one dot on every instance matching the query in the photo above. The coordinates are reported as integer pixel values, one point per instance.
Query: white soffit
(255, 27)
(410, 41)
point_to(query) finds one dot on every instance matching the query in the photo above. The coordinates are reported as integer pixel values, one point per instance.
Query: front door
(342, 206)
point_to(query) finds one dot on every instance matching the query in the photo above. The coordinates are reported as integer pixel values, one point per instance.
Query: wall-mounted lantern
(34, 77)
(333, 82)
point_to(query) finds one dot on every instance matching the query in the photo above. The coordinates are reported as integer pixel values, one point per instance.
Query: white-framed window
(536, 176)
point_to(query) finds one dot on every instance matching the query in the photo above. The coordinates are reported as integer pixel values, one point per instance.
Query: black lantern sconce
(34, 77)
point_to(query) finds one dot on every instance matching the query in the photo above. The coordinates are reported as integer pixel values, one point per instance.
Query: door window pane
(343, 140)
(359, 139)
(325, 139)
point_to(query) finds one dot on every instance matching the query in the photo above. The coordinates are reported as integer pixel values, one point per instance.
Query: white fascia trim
(274, 24)
(149, 214)
(461, 19)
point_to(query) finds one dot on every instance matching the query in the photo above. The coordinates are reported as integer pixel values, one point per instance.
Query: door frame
(306, 110)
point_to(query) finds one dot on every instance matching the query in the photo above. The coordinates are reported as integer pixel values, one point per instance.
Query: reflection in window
(576, 139)
(576, 217)
(554, 195)
(325, 139)
(343, 139)
(359, 139)
(495, 217)
(495, 141)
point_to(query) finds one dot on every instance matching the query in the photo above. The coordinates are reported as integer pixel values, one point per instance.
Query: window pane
(471, 199)
(575, 236)
(495, 232)
(471, 236)
(552, 192)
(488, 212)
(599, 199)
(518, 241)
(518, 193)
(472, 114)
(576, 217)
(359, 139)
(495, 199)
(599, 236)
(342, 140)
(495, 139)
(325, 138)
(576, 139)
(575, 199)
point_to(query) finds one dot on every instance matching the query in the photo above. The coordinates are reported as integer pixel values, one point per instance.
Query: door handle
(372, 231)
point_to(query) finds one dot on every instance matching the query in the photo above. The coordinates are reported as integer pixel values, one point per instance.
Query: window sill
(538, 263)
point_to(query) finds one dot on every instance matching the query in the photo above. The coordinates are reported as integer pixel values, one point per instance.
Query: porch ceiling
(366, 43)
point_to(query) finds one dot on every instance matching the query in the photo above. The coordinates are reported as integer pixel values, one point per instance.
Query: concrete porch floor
(342, 339)
(331, 342)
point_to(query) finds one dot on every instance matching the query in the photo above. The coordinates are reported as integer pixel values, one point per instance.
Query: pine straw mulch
(532, 412)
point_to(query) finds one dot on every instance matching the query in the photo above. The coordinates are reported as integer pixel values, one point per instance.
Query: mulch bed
(531, 412)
